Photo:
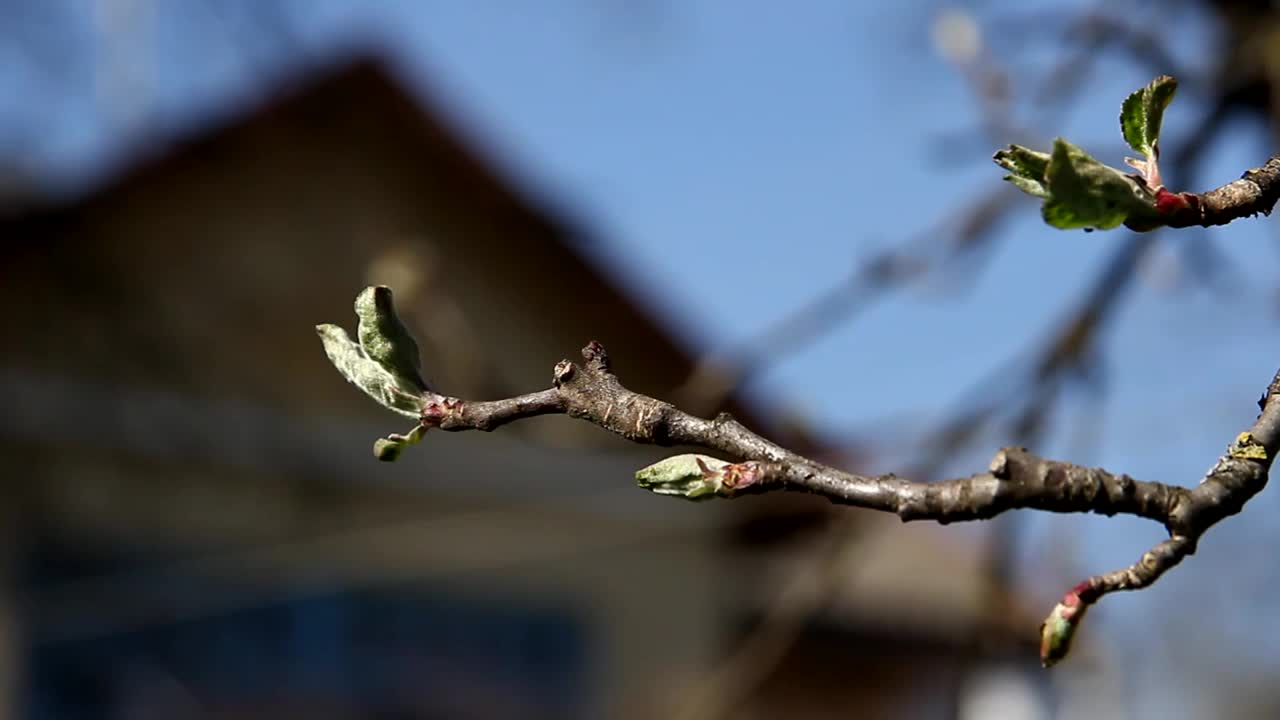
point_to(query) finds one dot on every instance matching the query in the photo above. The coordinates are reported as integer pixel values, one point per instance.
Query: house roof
(520, 256)
(201, 268)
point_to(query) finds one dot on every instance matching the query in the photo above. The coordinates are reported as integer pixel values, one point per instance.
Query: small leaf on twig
(1026, 168)
(1080, 192)
(388, 449)
(1085, 193)
(386, 340)
(364, 373)
(1143, 112)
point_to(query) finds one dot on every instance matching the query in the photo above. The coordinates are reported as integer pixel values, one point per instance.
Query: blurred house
(195, 525)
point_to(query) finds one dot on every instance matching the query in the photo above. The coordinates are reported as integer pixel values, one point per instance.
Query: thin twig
(1016, 479)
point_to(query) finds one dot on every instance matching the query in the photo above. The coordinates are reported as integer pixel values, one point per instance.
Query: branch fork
(1015, 479)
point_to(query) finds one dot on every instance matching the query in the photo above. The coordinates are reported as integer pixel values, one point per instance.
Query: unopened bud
(1060, 627)
(691, 476)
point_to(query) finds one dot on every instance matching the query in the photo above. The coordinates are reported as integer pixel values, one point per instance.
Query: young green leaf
(388, 449)
(386, 340)
(1080, 192)
(1084, 193)
(1026, 168)
(1142, 113)
(351, 361)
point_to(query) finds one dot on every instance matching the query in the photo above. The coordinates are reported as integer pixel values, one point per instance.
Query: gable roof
(520, 255)
(201, 268)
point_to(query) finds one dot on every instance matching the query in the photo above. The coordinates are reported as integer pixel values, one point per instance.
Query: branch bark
(1015, 479)
(1255, 192)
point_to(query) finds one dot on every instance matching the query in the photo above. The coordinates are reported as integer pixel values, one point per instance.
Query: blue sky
(768, 147)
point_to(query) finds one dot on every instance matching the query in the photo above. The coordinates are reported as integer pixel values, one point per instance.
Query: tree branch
(1016, 479)
(1255, 192)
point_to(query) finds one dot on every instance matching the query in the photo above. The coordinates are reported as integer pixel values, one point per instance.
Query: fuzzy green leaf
(1084, 193)
(1026, 168)
(351, 361)
(1143, 112)
(1080, 192)
(385, 340)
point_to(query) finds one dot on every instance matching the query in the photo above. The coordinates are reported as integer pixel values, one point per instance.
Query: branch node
(438, 410)
(562, 373)
(999, 466)
(596, 357)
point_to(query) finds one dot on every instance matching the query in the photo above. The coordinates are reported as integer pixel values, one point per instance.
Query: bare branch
(1016, 479)
(1255, 192)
